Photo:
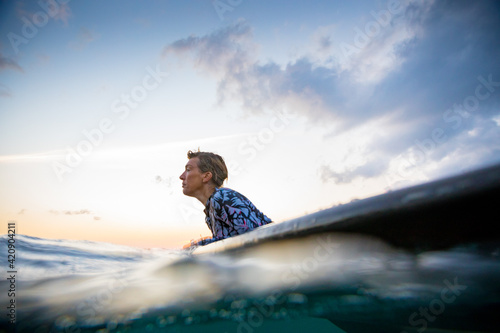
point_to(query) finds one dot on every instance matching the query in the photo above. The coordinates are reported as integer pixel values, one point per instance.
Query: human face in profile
(192, 178)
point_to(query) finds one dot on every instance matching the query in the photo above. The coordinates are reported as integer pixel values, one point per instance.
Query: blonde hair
(210, 162)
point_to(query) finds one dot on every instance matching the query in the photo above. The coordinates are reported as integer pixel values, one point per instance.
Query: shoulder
(224, 193)
(227, 192)
(231, 197)
(224, 197)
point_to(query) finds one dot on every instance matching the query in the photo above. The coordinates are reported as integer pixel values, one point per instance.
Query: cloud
(85, 37)
(63, 14)
(59, 12)
(224, 50)
(4, 91)
(36, 157)
(167, 181)
(6, 63)
(143, 22)
(230, 55)
(367, 170)
(75, 213)
(71, 212)
(433, 70)
(126, 153)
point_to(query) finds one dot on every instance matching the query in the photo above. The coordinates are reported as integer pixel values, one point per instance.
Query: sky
(312, 104)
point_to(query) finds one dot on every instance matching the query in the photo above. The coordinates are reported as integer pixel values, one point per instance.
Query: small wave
(336, 277)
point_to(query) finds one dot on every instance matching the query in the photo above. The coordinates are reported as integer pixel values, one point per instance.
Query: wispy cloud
(75, 213)
(120, 153)
(63, 14)
(71, 212)
(35, 157)
(223, 50)
(7, 63)
(85, 37)
(5, 91)
(429, 59)
(60, 12)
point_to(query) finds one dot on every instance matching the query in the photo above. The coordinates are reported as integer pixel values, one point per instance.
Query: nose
(181, 177)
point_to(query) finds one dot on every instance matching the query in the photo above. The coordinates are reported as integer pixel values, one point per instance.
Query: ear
(207, 176)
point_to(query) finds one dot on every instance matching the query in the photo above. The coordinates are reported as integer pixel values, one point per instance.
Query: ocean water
(320, 283)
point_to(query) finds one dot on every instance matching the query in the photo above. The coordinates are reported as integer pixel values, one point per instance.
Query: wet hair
(210, 162)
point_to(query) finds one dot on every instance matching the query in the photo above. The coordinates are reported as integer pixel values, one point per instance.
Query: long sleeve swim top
(229, 213)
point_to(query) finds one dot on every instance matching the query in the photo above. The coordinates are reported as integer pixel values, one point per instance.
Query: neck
(205, 194)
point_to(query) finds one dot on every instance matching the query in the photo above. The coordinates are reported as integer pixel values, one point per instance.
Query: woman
(228, 213)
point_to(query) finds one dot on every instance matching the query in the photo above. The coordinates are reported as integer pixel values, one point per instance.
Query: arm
(199, 242)
(205, 240)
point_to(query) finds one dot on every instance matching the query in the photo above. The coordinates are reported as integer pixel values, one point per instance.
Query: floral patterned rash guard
(229, 213)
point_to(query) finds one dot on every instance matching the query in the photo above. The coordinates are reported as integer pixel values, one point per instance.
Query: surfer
(227, 212)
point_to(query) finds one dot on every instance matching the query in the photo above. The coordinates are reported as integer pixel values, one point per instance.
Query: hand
(189, 245)
(197, 242)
